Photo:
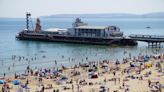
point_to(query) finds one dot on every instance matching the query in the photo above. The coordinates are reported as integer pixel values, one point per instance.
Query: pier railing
(152, 40)
(146, 36)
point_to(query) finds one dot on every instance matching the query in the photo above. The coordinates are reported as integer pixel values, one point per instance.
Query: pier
(152, 40)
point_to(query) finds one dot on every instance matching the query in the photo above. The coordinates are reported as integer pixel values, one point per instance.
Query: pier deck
(152, 40)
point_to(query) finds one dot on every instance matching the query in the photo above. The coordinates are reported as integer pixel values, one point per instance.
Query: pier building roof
(91, 27)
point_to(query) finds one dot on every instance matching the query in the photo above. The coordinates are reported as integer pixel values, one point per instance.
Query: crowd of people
(92, 76)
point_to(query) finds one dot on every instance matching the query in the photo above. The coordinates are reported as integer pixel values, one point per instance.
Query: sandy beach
(132, 74)
(81, 45)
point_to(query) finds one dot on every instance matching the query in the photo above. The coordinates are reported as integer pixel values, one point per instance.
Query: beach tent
(55, 72)
(1, 81)
(156, 56)
(95, 75)
(146, 58)
(16, 82)
(51, 71)
(132, 65)
(92, 75)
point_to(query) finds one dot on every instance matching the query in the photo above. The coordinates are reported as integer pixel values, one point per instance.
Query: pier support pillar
(154, 44)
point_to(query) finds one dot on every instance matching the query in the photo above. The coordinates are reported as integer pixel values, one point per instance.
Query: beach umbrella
(146, 58)
(132, 65)
(1, 81)
(16, 82)
(148, 65)
(55, 72)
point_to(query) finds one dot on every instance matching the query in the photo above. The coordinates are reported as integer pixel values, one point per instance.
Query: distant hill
(154, 15)
(108, 15)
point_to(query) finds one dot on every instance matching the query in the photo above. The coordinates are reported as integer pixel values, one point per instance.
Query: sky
(18, 8)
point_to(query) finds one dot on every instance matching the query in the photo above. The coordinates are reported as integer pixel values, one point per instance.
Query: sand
(104, 79)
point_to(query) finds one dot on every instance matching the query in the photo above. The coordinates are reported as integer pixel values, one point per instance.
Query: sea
(16, 55)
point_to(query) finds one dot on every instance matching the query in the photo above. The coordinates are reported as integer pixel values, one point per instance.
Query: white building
(84, 30)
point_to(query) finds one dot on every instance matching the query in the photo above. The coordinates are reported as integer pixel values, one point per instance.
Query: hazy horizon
(114, 15)
(18, 8)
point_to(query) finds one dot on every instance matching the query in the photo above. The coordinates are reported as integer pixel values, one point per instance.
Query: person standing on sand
(78, 87)
(27, 82)
(119, 80)
(108, 90)
(127, 90)
(42, 90)
(3, 89)
(4, 75)
(105, 81)
(149, 82)
(115, 81)
(123, 84)
(114, 73)
(28, 69)
(72, 88)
